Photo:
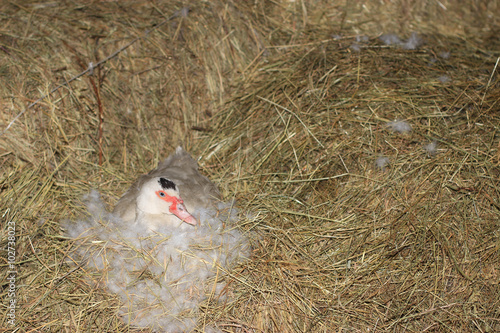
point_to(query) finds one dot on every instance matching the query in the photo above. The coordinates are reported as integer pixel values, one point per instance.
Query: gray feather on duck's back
(196, 190)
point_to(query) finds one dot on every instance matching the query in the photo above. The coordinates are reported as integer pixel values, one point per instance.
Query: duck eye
(161, 194)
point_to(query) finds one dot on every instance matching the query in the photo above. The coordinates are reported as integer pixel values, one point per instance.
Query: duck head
(160, 195)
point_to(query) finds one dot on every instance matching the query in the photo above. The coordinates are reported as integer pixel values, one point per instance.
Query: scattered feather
(444, 79)
(382, 162)
(355, 47)
(161, 277)
(413, 43)
(431, 148)
(360, 39)
(399, 126)
(390, 39)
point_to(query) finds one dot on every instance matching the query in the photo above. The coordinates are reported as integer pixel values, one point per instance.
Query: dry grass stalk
(288, 119)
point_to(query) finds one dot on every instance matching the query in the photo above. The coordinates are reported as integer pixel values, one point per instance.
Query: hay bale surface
(291, 107)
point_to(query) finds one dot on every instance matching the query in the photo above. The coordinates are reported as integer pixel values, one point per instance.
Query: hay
(288, 119)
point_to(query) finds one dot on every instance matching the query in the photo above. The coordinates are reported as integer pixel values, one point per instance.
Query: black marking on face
(166, 184)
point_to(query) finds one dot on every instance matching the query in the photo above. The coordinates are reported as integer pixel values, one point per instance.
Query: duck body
(167, 195)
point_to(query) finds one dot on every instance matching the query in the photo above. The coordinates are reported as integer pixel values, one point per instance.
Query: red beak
(177, 207)
(179, 210)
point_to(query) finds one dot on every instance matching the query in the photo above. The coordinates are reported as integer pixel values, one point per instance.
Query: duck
(167, 196)
(166, 237)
